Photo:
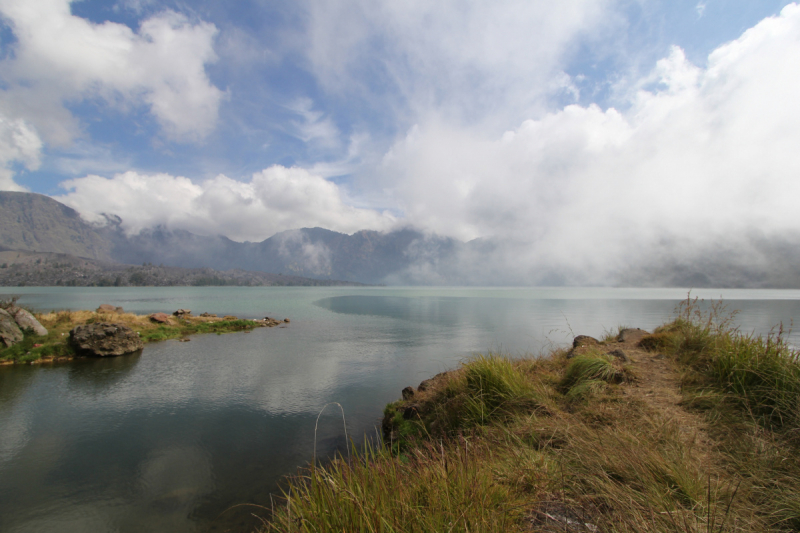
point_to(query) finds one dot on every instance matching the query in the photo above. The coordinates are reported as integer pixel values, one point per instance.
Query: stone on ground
(104, 340)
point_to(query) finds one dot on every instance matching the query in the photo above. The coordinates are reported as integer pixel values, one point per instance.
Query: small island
(32, 338)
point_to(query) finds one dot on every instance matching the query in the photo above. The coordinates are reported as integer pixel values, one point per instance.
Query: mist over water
(175, 439)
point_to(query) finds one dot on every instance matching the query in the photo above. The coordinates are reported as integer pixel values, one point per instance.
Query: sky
(577, 129)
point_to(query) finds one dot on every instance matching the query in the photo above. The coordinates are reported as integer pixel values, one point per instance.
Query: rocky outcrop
(584, 340)
(10, 333)
(632, 335)
(104, 340)
(107, 308)
(25, 320)
(183, 313)
(160, 318)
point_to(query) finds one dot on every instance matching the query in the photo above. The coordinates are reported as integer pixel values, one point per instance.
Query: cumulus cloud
(274, 200)
(19, 143)
(699, 157)
(59, 58)
(162, 65)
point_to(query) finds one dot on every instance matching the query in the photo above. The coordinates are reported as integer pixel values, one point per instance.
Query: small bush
(589, 368)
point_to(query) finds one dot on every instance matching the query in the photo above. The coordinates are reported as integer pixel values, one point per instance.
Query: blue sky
(506, 119)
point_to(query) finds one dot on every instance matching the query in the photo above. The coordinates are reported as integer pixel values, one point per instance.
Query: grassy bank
(695, 428)
(54, 345)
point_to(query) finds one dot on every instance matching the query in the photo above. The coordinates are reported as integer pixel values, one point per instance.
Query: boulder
(25, 320)
(286, 320)
(103, 340)
(106, 308)
(160, 318)
(183, 313)
(584, 340)
(408, 393)
(10, 334)
(632, 335)
(208, 315)
(619, 354)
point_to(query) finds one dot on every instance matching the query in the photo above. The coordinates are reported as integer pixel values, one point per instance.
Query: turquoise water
(195, 436)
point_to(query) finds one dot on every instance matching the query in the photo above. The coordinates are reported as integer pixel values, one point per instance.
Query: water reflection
(100, 373)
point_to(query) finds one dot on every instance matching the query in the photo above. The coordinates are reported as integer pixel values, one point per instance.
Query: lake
(195, 436)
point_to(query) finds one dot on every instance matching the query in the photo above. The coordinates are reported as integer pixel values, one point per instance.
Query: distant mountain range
(36, 223)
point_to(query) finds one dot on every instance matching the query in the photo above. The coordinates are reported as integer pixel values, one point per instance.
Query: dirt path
(658, 386)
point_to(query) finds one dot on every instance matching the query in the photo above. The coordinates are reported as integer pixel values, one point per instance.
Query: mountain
(34, 222)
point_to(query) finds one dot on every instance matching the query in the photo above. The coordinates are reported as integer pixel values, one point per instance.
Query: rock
(411, 411)
(103, 339)
(584, 340)
(408, 393)
(25, 320)
(426, 384)
(184, 340)
(161, 318)
(208, 315)
(286, 320)
(632, 335)
(619, 354)
(106, 308)
(230, 317)
(10, 334)
(183, 313)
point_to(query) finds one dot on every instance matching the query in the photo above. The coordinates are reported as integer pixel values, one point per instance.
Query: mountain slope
(34, 222)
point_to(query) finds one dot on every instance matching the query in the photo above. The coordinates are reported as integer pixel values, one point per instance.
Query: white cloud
(59, 58)
(704, 157)
(473, 62)
(18, 143)
(274, 200)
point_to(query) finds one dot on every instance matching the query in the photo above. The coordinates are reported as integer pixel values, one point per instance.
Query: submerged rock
(104, 340)
(10, 334)
(25, 320)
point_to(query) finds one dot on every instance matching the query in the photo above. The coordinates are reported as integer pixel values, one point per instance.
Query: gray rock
(106, 308)
(584, 340)
(183, 313)
(632, 335)
(619, 354)
(10, 334)
(25, 320)
(408, 393)
(103, 340)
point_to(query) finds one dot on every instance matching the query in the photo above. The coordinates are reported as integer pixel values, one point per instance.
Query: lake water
(195, 436)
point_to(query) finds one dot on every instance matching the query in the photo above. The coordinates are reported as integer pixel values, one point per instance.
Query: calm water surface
(195, 436)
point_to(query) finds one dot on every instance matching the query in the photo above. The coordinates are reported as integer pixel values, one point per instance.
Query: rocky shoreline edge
(33, 338)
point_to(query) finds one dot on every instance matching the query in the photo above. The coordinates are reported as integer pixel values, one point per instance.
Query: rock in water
(10, 333)
(25, 320)
(103, 340)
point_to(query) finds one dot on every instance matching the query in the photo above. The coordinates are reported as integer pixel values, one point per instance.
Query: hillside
(37, 223)
(19, 269)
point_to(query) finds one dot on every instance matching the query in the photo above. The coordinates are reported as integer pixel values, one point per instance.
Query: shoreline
(55, 347)
(691, 427)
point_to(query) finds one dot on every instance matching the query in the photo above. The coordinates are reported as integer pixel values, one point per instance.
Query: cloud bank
(699, 158)
(275, 199)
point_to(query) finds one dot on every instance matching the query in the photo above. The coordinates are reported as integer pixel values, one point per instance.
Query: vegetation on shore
(55, 346)
(695, 428)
